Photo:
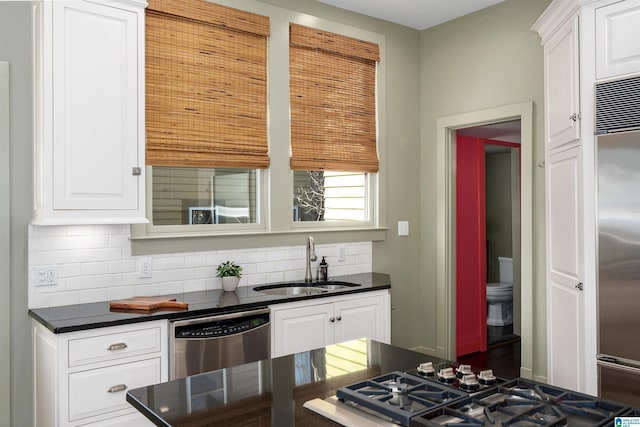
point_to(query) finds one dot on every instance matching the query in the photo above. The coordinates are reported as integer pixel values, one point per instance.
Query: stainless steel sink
(333, 285)
(291, 290)
(301, 288)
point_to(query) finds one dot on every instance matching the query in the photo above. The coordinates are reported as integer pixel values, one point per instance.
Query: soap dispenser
(324, 270)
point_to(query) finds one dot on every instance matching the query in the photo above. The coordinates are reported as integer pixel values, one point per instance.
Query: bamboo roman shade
(333, 105)
(206, 85)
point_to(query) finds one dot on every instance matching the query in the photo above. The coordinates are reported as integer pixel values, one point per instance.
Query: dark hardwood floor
(502, 355)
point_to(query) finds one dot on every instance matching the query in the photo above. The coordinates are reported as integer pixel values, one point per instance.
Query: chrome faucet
(311, 256)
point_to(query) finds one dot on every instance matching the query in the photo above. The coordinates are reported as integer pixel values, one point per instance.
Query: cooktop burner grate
(524, 403)
(399, 396)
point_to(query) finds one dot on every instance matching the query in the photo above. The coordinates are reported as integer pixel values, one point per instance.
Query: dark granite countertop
(79, 317)
(270, 392)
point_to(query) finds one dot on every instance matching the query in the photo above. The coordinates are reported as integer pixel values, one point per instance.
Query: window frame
(276, 226)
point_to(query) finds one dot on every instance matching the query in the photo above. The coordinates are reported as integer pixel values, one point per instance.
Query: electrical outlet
(145, 268)
(342, 253)
(46, 275)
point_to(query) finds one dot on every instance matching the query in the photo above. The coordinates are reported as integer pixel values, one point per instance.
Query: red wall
(471, 309)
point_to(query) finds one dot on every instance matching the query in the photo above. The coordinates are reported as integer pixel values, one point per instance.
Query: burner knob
(426, 368)
(463, 370)
(469, 383)
(487, 377)
(446, 375)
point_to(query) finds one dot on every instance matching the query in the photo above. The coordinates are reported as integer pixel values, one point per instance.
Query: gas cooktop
(456, 395)
(524, 403)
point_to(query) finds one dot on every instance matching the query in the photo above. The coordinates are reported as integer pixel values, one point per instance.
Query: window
(199, 196)
(333, 124)
(188, 178)
(206, 109)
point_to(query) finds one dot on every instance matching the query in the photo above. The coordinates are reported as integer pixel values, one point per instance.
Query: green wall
(480, 61)
(15, 47)
(498, 211)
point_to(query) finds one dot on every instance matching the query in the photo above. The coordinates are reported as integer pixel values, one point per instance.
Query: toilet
(500, 296)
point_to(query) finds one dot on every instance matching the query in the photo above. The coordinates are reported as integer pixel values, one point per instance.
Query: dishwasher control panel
(221, 328)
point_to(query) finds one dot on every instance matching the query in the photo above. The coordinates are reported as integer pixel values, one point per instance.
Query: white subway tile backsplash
(108, 280)
(193, 260)
(95, 264)
(120, 292)
(92, 295)
(65, 298)
(109, 254)
(194, 285)
(77, 283)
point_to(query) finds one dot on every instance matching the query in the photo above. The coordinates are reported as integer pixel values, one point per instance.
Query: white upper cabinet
(618, 39)
(89, 97)
(562, 86)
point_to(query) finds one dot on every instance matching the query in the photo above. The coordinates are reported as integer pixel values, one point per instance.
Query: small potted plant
(230, 273)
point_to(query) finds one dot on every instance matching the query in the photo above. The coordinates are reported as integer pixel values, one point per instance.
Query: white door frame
(445, 233)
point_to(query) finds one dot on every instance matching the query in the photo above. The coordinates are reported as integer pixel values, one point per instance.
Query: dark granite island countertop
(270, 392)
(80, 317)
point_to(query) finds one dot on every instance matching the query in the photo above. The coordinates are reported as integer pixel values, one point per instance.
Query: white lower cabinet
(302, 326)
(81, 378)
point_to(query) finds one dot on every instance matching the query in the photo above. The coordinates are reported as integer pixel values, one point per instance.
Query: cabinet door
(95, 106)
(561, 86)
(564, 269)
(359, 318)
(617, 35)
(302, 328)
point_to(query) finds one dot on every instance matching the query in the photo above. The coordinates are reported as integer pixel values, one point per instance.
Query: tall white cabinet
(584, 41)
(89, 105)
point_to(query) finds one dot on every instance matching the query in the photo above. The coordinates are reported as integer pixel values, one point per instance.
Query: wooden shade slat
(333, 106)
(213, 14)
(206, 87)
(312, 38)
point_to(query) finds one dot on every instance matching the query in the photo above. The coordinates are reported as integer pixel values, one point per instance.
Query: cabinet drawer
(102, 348)
(98, 391)
(129, 420)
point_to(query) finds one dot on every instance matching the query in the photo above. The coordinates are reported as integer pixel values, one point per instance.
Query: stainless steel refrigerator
(618, 157)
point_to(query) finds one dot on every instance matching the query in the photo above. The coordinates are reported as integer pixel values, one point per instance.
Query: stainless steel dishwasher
(209, 343)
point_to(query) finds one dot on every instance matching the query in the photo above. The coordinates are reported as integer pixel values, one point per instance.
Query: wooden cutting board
(148, 304)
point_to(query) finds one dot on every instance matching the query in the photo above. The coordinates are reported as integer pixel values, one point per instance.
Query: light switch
(403, 228)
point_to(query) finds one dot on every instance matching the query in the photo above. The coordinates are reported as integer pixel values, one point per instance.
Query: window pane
(329, 196)
(191, 195)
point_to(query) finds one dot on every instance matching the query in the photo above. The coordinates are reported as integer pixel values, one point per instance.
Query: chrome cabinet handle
(574, 117)
(579, 286)
(332, 319)
(117, 346)
(339, 318)
(117, 388)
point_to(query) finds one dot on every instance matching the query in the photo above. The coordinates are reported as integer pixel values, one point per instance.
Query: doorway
(487, 244)
(446, 234)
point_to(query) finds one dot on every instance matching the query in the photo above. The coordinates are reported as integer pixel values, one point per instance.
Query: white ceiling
(418, 14)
